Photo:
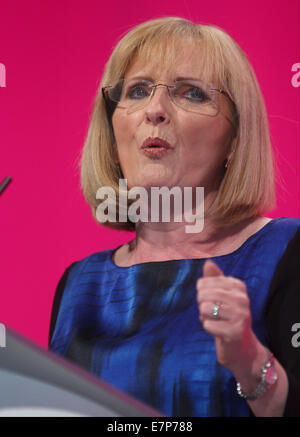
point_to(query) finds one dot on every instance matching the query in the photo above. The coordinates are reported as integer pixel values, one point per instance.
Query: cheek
(120, 127)
(124, 128)
(206, 134)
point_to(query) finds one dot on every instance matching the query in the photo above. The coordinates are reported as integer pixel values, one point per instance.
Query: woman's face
(200, 143)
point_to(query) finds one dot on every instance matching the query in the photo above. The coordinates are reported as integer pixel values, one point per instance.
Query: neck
(165, 241)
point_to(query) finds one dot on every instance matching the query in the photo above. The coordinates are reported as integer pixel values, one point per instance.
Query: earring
(227, 162)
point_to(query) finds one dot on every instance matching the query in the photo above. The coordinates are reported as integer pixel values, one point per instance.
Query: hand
(237, 347)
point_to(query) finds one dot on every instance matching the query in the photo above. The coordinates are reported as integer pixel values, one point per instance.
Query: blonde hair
(248, 187)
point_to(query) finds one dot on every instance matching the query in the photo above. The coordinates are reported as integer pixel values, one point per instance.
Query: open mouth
(156, 147)
(156, 143)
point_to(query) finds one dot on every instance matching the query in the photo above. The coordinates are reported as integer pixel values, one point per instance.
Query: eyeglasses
(190, 95)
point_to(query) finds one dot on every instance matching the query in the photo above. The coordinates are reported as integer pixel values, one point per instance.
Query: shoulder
(271, 240)
(99, 261)
(95, 262)
(286, 229)
(279, 231)
(286, 224)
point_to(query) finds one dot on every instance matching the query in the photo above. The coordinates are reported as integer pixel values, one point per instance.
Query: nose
(158, 108)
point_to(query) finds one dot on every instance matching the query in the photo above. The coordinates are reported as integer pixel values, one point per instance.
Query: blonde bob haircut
(248, 187)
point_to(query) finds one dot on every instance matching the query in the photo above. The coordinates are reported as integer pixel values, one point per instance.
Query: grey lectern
(36, 382)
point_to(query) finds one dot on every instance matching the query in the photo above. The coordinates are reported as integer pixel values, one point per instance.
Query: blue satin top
(138, 327)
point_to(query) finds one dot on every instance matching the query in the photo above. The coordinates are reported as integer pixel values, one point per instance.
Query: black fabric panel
(282, 312)
(57, 299)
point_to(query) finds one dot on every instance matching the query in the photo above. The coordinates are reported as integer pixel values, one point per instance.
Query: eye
(137, 91)
(195, 93)
(192, 93)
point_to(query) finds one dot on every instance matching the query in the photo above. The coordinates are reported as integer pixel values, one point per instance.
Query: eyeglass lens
(195, 96)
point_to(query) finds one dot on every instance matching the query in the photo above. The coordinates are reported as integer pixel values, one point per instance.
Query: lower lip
(155, 152)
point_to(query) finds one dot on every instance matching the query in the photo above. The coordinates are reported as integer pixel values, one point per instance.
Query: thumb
(210, 268)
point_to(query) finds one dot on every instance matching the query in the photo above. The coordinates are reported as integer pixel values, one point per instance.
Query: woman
(176, 319)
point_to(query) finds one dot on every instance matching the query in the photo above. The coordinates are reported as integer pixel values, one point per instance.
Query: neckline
(173, 261)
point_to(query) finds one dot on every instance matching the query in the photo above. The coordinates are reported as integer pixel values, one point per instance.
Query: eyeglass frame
(153, 86)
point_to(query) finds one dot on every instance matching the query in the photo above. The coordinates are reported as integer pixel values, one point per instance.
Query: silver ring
(215, 310)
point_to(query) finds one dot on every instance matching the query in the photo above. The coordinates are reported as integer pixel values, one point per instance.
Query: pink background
(54, 53)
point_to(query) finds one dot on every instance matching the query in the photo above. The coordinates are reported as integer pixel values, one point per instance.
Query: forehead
(169, 61)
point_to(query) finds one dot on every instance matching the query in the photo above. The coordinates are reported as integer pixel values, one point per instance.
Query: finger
(206, 310)
(233, 297)
(227, 282)
(210, 268)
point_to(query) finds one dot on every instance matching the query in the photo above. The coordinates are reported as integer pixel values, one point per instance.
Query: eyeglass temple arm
(225, 93)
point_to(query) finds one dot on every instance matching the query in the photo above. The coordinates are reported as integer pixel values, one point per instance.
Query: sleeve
(283, 321)
(57, 299)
